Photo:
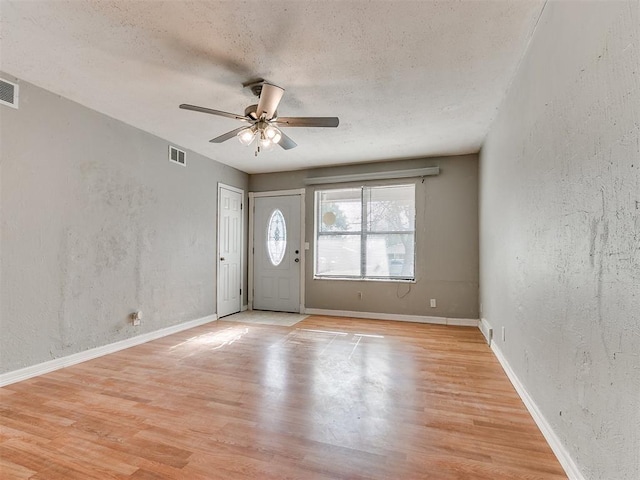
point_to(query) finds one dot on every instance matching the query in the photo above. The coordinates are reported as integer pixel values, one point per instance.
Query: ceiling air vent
(8, 93)
(177, 156)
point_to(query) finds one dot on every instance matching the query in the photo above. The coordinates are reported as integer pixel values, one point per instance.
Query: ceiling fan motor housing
(251, 110)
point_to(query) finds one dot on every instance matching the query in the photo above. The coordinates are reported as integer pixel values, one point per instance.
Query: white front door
(277, 253)
(229, 250)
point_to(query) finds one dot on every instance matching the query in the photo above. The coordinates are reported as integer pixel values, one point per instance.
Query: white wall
(560, 230)
(97, 223)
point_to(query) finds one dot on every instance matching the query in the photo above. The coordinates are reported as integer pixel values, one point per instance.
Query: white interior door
(277, 253)
(229, 250)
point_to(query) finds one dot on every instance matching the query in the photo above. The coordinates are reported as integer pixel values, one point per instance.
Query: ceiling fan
(262, 120)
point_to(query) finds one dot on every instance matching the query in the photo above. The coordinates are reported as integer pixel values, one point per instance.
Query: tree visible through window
(366, 232)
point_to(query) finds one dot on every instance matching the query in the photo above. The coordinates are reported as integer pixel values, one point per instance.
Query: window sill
(352, 279)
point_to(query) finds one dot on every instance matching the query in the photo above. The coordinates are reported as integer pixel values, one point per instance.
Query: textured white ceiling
(407, 78)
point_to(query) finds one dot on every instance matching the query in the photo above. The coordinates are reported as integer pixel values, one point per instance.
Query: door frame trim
(218, 243)
(277, 193)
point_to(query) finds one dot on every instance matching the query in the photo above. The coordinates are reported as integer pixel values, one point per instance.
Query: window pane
(390, 209)
(390, 255)
(386, 232)
(338, 255)
(340, 210)
(276, 237)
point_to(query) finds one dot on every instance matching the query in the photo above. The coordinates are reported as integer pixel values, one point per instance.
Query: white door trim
(242, 210)
(277, 193)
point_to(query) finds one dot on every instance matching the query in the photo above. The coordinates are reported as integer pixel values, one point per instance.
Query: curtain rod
(356, 177)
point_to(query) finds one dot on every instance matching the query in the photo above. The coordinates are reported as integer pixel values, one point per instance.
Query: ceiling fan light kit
(273, 134)
(267, 135)
(263, 119)
(246, 136)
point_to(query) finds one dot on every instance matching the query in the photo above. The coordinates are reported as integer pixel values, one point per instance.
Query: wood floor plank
(12, 470)
(328, 398)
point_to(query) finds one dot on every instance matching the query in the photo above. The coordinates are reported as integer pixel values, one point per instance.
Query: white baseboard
(463, 322)
(567, 463)
(486, 330)
(58, 363)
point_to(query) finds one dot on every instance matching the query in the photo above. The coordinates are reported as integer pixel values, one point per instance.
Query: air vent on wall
(8, 93)
(177, 156)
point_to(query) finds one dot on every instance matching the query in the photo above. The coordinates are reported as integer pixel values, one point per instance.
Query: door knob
(222, 259)
(297, 260)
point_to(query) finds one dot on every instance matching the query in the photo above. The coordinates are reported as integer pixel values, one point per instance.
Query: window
(366, 233)
(276, 237)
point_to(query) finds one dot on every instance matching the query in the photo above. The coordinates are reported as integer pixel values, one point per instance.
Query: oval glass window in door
(276, 237)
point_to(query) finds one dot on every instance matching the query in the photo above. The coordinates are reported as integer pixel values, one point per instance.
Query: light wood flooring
(327, 398)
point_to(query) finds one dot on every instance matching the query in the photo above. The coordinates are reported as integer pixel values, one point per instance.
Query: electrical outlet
(504, 335)
(433, 303)
(136, 318)
(360, 295)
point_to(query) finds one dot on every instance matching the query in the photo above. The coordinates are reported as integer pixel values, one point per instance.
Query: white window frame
(362, 234)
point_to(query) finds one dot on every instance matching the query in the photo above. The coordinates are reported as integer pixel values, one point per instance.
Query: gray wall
(96, 223)
(446, 237)
(560, 230)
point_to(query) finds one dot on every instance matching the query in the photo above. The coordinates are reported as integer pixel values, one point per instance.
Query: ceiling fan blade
(270, 97)
(286, 142)
(227, 136)
(307, 121)
(211, 111)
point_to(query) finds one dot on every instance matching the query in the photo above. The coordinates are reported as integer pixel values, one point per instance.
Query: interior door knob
(297, 260)
(222, 259)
